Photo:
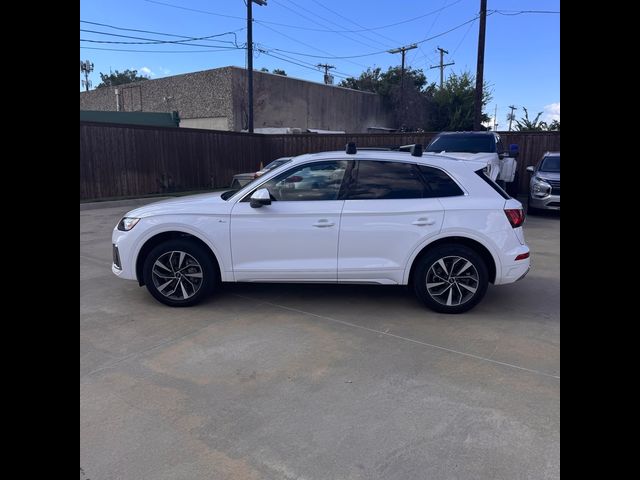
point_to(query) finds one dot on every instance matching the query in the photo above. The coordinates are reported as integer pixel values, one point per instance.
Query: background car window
(463, 143)
(439, 184)
(312, 181)
(386, 180)
(550, 164)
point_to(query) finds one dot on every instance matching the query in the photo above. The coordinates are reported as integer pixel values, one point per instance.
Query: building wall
(202, 99)
(281, 101)
(217, 99)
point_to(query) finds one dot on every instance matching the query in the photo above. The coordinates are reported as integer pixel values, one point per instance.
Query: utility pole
(495, 117)
(86, 67)
(442, 65)
(328, 79)
(511, 116)
(402, 50)
(250, 58)
(480, 66)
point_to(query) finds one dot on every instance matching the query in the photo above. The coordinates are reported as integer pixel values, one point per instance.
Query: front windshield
(466, 144)
(550, 164)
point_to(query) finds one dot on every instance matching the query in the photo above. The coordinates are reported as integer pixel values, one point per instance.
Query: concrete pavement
(317, 382)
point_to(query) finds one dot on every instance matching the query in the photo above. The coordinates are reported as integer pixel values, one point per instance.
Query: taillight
(515, 216)
(522, 256)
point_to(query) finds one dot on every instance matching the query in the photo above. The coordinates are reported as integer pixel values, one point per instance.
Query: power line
(150, 40)
(299, 27)
(520, 12)
(427, 34)
(312, 20)
(354, 22)
(462, 40)
(327, 56)
(331, 22)
(233, 32)
(379, 52)
(219, 49)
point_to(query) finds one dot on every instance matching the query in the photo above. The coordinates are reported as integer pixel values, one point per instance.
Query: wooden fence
(129, 160)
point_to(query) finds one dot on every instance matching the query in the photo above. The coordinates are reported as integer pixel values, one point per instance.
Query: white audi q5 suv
(433, 222)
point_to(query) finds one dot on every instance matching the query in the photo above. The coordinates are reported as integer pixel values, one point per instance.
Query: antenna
(86, 67)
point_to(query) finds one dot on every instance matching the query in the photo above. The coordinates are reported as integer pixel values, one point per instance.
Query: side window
(385, 180)
(439, 183)
(312, 181)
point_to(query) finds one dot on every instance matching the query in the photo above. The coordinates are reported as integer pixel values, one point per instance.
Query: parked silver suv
(544, 186)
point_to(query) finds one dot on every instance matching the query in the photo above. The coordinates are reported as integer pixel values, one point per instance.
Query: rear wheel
(179, 273)
(451, 279)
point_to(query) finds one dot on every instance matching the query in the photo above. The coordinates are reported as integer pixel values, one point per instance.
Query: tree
(527, 125)
(387, 84)
(120, 78)
(453, 105)
(555, 125)
(276, 71)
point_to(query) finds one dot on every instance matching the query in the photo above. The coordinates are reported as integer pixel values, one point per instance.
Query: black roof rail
(351, 148)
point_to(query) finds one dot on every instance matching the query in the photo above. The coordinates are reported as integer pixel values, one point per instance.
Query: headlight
(127, 223)
(540, 187)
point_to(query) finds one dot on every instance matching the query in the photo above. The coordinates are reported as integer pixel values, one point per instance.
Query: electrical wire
(299, 27)
(220, 49)
(324, 20)
(151, 40)
(233, 32)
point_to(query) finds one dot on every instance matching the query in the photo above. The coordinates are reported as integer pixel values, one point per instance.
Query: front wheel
(451, 279)
(179, 273)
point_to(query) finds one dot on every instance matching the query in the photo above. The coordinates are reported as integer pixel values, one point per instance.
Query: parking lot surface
(318, 381)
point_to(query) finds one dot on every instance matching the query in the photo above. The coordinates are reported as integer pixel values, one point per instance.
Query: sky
(522, 50)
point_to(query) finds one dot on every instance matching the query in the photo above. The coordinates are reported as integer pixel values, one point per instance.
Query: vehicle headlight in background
(127, 223)
(540, 187)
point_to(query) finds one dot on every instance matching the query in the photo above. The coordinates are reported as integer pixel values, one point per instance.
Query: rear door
(388, 211)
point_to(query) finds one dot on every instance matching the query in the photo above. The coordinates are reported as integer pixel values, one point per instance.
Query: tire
(179, 273)
(443, 294)
(531, 210)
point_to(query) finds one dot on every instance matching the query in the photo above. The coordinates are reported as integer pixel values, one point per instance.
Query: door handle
(421, 222)
(323, 223)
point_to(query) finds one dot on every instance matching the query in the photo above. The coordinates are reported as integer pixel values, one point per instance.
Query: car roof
(549, 154)
(449, 162)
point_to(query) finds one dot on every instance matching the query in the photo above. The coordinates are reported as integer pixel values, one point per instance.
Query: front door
(296, 237)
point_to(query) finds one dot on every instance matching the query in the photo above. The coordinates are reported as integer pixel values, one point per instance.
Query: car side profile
(435, 223)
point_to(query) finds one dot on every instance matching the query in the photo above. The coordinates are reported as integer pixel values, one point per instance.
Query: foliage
(527, 125)
(276, 71)
(120, 78)
(555, 125)
(453, 105)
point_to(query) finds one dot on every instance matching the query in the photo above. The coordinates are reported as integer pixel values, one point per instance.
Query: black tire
(186, 282)
(474, 279)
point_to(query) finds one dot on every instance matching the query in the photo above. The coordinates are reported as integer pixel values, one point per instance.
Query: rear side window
(439, 184)
(375, 180)
(493, 184)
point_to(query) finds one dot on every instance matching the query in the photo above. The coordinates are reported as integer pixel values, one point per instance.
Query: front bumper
(550, 202)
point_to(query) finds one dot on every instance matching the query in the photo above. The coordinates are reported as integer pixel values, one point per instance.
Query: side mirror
(530, 169)
(259, 198)
(514, 150)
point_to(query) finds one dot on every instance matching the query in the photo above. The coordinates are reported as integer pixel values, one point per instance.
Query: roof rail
(351, 148)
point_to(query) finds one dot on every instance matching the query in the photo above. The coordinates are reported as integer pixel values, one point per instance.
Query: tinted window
(550, 164)
(276, 163)
(312, 181)
(385, 180)
(463, 143)
(439, 184)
